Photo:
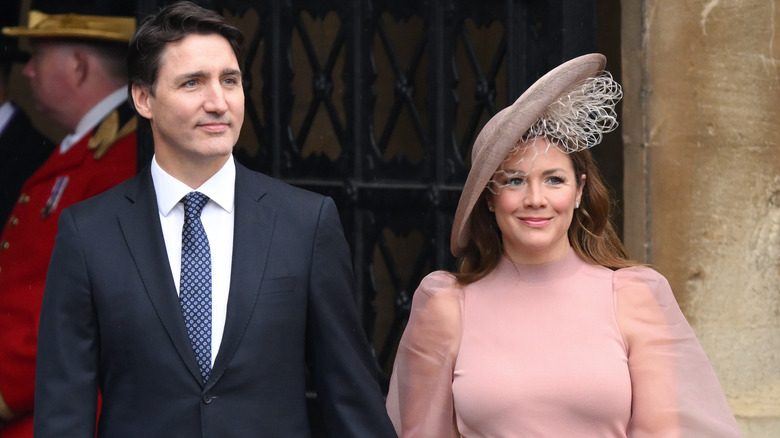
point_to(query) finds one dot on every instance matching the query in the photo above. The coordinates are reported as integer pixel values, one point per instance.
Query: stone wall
(702, 180)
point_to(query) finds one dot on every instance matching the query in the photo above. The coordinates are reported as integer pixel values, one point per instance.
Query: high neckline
(541, 273)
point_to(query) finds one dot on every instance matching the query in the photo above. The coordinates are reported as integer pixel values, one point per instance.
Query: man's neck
(89, 95)
(191, 172)
(92, 117)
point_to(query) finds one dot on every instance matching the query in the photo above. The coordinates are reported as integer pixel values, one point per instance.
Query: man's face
(52, 70)
(197, 108)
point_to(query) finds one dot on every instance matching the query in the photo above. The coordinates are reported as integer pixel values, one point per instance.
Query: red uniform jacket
(26, 245)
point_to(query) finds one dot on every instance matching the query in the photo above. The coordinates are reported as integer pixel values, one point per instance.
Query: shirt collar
(7, 111)
(93, 117)
(220, 188)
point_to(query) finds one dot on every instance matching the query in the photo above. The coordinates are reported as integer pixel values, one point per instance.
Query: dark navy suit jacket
(111, 321)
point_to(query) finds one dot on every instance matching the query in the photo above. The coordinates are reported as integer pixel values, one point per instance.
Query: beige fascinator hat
(573, 105)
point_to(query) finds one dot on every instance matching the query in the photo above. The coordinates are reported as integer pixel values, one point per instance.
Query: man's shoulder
(113, 199)
(277, 189)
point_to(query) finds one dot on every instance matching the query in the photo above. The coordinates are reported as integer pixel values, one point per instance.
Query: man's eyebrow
(191, 75)
(203, 74)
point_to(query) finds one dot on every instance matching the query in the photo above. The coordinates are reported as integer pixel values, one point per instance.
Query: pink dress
(564, 349)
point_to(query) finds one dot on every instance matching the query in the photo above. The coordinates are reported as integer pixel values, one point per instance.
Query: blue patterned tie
(195, 286)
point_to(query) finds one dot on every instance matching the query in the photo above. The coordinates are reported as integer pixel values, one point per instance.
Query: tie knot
(194, 203)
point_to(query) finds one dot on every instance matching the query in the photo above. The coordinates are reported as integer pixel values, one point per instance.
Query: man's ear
(81, 65)
(141, 95)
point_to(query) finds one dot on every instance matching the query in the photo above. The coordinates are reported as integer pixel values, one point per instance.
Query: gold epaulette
(108, 132)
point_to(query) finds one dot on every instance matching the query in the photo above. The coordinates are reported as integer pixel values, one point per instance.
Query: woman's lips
(535, 222)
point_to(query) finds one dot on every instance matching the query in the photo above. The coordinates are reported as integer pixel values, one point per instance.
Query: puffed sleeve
(419, 400)
(675, 392)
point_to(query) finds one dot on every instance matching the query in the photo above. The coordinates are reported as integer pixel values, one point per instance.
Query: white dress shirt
(217, 218)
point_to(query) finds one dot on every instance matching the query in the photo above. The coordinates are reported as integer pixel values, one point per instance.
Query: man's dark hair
(170, 25)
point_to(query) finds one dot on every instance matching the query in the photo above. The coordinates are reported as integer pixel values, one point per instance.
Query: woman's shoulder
(439, 283)
(639, 273)
(437, 307)
(438, 293)
(642, 281)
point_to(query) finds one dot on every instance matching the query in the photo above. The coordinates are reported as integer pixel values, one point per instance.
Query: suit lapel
(254, 222)
(141, 227)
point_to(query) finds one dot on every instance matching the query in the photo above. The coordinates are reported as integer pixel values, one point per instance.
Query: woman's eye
(514, 182)
(556, 180)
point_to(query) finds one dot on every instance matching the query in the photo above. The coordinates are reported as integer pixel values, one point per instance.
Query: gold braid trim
(107, 134)
(6, 414)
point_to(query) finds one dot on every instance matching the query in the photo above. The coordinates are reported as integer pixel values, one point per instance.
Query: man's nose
(215, 101)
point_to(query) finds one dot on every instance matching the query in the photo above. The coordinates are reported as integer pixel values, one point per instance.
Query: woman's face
(533, 197)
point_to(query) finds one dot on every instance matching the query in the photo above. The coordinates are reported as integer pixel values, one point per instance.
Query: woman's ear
(580, 188)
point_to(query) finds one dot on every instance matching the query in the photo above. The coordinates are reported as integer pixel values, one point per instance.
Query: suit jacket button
(207, 399)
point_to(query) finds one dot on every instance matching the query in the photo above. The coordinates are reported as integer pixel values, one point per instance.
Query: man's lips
(214, 126)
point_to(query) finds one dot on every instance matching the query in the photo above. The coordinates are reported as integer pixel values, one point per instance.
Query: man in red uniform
(78, 77)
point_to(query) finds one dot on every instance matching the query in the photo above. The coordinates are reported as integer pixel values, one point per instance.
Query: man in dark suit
(200, 323)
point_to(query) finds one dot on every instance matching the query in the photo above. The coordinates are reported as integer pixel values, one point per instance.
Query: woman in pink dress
(547, 329)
